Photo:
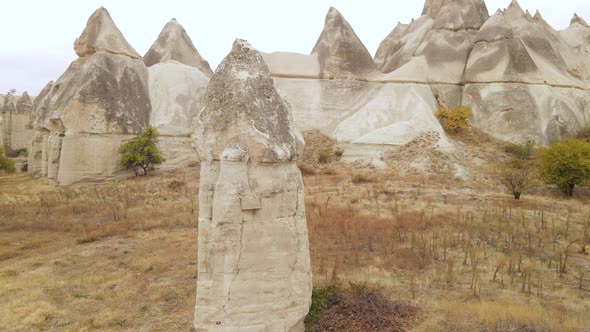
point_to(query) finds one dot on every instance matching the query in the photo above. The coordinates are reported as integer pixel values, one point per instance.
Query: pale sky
(37, 35)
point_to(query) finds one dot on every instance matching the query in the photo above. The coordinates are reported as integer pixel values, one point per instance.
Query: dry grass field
(122, 256)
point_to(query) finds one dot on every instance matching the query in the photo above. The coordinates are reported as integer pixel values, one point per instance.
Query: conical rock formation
(178, 79)
(89, 110)
(341, 53)
(173, 43)
(254, 269)
(365, 113)
(102, 35)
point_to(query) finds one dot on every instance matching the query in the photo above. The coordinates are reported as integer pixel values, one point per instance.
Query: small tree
(517, 175)
(6, 164)
(142, 151)
(566, 164)
(453, 120)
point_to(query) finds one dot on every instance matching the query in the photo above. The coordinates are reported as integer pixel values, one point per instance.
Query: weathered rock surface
(174, 44)
(15, 115)
(433, 48)
(340, 52)
(522, 80)
(509, 68)
(101, 100)
(102, 35)
(361, 107)
(254, 266)
(178, 79)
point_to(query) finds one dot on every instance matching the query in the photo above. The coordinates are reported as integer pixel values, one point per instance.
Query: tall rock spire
(102, 35)
(254, 269)
(174, 43)
(341, 53)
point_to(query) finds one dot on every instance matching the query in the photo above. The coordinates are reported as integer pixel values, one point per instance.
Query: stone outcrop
(254, 266)
(178, 78)
(521, 78)
(358, 106)
(340, 52)
(518, 82)
(174, 44)
(101, 100)
(15, 115)
(433, 48)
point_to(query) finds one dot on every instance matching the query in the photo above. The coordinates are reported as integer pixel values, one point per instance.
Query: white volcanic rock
(456, 14)
(101, 100)
(176, 94)
(254, 269)
(523, 81)
(178, 79)
(511, 47)
(391, 44)
(579, 21)
(15, 112)
(518, 112)
(340, 52)
(577, 42)
(174, 44)
(433, 48)
(102, 35)
(374, 110)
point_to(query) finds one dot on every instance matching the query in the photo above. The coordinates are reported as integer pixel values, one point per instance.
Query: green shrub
(520, 151)
(142, 151)
(566, 164)
(453, 120)
(6, 164)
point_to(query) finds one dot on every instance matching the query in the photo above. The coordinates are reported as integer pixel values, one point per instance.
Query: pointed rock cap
(390, 44)
(578, 20)
(456, 14)
(341, 53)
(538, 16)
(244, 117)
(173, 43)
(102, 35)
(514, 9)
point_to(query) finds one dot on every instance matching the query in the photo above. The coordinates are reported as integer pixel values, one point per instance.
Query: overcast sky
(37, 35)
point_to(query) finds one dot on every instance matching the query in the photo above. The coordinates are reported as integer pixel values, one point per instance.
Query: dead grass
(122, 256)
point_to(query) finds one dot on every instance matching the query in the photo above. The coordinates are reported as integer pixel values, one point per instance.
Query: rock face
(15, 115)
(101, 100)
(174, 44)
(518, 83)
(433, 48)
(254, 266)
(358, 106)
(178, 79)
(340, 52)
(521, 78)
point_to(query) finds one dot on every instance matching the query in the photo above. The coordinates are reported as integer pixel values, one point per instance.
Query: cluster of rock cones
(521, 78)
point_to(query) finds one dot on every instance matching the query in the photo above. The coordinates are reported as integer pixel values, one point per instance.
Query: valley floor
(122, 256)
